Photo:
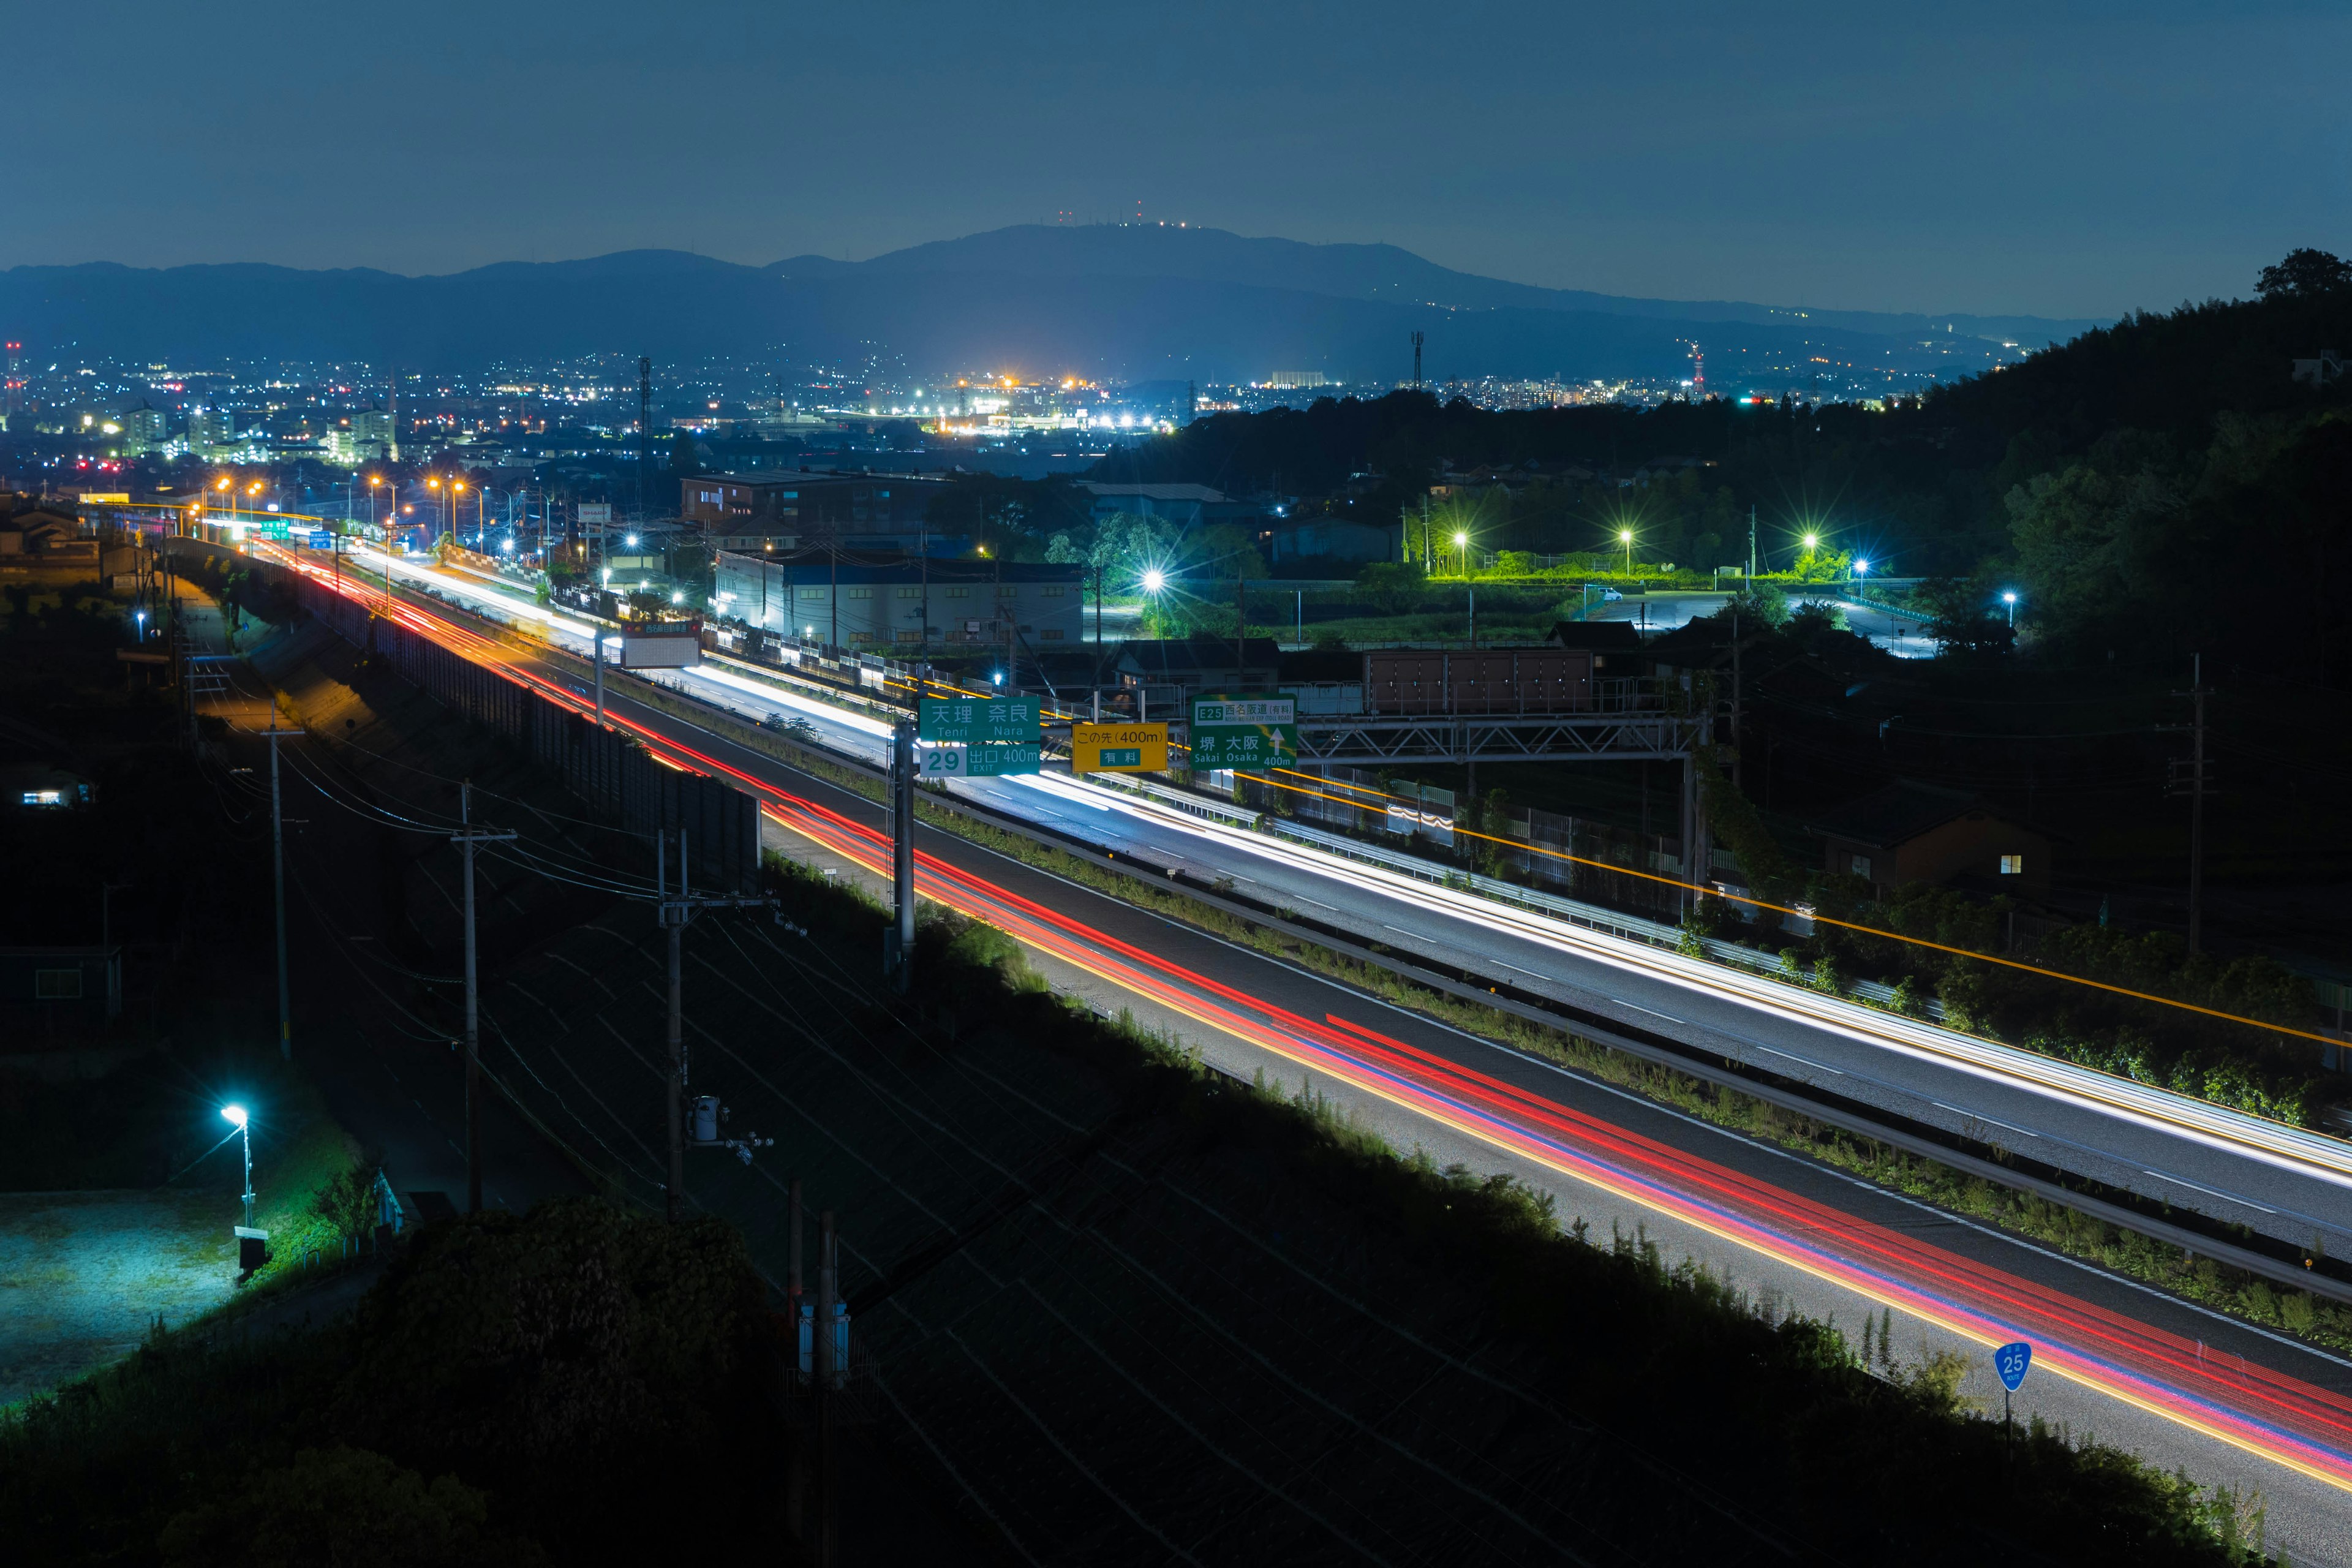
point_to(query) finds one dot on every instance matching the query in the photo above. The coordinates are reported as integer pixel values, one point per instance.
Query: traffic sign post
(958, 760)
(2011, 1362)
(1118, 748)
(1246, 734)
(980, 719)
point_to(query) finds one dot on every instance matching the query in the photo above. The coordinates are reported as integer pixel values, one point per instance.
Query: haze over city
(1244, 785)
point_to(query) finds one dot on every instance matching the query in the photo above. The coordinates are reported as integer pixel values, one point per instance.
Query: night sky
(2061, 159)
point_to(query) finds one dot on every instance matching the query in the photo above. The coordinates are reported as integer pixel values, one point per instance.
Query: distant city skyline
(2057, 160)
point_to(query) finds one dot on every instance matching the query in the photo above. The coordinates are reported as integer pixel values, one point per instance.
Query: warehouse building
(864, 599)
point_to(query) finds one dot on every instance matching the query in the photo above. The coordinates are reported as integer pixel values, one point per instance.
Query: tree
(685, 461)
(2305, 274)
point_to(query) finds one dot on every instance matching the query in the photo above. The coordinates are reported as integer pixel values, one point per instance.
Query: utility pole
(278, 873)
(466, 838)
(597, 653)
(1240, 620)
(675, 913)
(1734, 696)
(832, 1372)
(2189, 779)
(900, 954)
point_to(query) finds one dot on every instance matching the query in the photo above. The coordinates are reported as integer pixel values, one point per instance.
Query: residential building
(868, 599)
(1200, 665)
(1914, 832)
(49, 993)
(1183, 505)
(211, 428)
(143, 430)
(1332, 539)
(791, 511)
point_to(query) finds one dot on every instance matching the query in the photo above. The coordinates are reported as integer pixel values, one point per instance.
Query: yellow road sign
(1118, 748)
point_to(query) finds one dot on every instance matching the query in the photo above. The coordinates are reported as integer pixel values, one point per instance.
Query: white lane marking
(1989, 1121)
(1652, 1012)
(1799, 1060)
(2225, 1197)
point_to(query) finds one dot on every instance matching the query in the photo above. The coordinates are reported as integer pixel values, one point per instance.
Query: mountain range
(1114, 301)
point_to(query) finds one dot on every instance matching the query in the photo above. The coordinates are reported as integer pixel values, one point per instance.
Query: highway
(2151, 1363)
(2291, 1184)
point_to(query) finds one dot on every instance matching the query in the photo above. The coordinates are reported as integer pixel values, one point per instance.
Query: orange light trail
(2254, 1408)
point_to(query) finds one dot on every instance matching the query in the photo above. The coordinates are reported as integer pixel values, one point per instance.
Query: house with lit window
(1915, 832)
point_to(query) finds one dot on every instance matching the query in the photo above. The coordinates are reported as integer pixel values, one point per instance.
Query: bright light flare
(234, 1115)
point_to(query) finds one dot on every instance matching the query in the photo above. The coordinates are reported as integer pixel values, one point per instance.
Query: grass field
(83, 1276)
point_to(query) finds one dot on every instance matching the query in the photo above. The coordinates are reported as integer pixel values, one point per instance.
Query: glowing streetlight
(1154, 579)
(1625, 537)
(2009, 598)
(236, 1117)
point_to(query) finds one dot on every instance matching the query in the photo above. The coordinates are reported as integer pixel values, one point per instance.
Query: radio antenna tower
(1416, 361)
(15, 380)
(1698, 373)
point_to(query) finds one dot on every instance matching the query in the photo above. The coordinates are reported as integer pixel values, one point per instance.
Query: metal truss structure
(1462, 738)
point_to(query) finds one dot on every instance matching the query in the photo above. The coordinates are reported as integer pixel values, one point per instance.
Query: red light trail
(2251, 1407)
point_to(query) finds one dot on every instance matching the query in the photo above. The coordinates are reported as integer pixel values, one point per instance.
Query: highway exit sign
(980, 720)
(955, 760)
(1245, 734)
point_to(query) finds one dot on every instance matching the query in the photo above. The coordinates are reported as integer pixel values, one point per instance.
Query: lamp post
(236, 1117)
(2009, 598)
(1462, 551)
(1626, 537)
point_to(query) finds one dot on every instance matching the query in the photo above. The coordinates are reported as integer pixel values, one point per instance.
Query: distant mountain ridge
(1120, 302)
(1382, 272)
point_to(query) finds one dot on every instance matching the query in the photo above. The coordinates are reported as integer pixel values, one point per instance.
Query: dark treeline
(2165, 485)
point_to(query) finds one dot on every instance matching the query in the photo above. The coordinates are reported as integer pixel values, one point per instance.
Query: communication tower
(1416, 361)
(1698, 373)
(15, 380)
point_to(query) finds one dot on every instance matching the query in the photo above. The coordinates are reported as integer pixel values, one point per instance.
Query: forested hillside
(2166, 485)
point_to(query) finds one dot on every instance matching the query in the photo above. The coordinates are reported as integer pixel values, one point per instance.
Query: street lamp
(1154, 580)
(2009, 598)
(1626, 537)
(1462, 549)
(236, 1117)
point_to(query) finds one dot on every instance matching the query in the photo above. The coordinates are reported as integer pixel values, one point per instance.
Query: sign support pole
(902, 853)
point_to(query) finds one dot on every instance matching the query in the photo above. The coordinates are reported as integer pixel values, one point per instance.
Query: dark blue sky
(2063, 159)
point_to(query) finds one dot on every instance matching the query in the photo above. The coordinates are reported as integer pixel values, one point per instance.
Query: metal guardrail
(1592, 917)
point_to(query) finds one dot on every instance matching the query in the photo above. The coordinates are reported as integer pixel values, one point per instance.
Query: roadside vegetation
(1869, 1441)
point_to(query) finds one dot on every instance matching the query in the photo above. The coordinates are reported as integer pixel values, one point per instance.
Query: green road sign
(1246, 734)
(982, 719)
(955, 760)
